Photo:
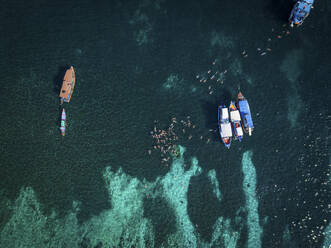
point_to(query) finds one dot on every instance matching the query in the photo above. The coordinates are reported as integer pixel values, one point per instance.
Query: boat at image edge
(236, 121)
(245, 112)
(300, 12)
(224, 125)
(68, 85)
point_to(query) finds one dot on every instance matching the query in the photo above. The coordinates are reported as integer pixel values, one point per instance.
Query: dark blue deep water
(138, 65)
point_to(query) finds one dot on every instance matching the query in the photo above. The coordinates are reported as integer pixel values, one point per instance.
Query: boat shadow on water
(58, 120)
(58, 79)
(280, 9)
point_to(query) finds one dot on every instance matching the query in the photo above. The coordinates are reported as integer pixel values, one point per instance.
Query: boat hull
(225, 135)
(300, 12)
(245, 113)
(68, 85)
(63, 123)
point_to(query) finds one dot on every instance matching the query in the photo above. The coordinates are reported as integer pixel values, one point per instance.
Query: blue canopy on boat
(300, 11)
(245, 112)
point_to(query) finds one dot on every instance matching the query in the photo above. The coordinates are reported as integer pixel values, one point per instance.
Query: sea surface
(150, 75)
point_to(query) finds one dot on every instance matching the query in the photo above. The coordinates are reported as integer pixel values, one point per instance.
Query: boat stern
(227, 142)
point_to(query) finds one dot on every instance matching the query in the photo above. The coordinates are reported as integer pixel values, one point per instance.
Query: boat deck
(68, 85)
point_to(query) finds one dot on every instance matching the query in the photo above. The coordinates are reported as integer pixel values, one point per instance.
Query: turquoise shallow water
(142, 61)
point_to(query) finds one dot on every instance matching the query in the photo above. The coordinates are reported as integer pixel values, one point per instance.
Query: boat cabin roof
(235, 115)
(225, 113)
(226, 130)
(245, 112)
(240, 131)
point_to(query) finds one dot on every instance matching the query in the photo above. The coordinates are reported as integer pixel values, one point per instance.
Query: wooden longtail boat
(68, 85)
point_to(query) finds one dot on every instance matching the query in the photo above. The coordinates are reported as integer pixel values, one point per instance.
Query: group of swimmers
(165, 140)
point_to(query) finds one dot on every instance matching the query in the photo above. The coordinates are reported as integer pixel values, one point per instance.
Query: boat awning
(226, 130)
(240, 131)
(235, 116)
(225, 113)
(246, 112)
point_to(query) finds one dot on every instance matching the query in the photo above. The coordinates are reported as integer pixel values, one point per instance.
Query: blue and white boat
(224, 125)
(300, 12)
(245, 112)
(236, 122)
